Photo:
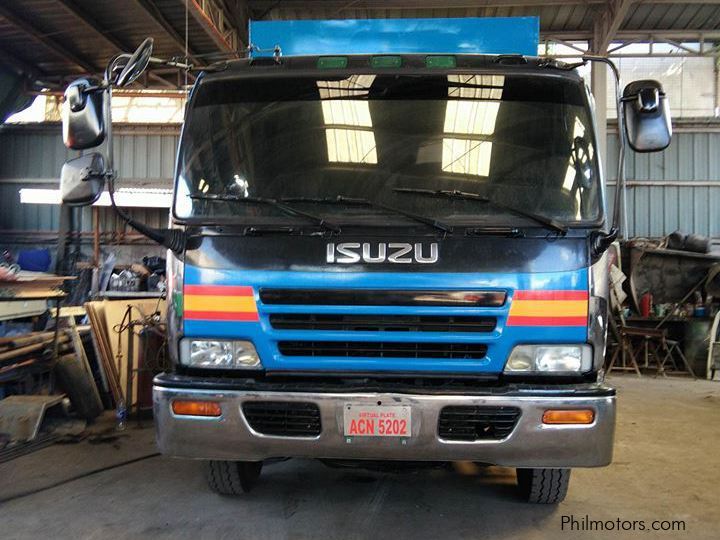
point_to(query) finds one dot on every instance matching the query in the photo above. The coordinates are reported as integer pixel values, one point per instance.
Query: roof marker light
(386, 61)
(332, 62)
(446, 62)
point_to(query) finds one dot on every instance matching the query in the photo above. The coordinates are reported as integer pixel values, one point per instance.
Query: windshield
(523, 141)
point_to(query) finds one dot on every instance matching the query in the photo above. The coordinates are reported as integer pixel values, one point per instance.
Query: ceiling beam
(327, 5)
(18, 65)
(96, 27)
(51, 44)
(607, 23)
(636, 35)
(155, 14)
(341, 5)
(681, 2)
(214, 20)
(239, 12)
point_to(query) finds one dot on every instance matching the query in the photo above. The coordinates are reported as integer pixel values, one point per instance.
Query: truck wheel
(543, 486)
(232, 477)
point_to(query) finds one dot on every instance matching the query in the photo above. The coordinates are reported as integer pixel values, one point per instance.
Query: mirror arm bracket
(620, 190)
(173, 239)
(600, 241)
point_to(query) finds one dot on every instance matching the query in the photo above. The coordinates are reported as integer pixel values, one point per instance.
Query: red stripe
(547, 321)
(218, 290)
(550, 295)
(221, 315)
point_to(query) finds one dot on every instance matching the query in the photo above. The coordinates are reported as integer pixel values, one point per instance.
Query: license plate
(376, 421)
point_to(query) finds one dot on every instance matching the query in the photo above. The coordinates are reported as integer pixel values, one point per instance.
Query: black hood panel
(454, 253)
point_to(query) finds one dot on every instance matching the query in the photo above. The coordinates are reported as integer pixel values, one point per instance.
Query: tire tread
(544, 486)
(223, 477)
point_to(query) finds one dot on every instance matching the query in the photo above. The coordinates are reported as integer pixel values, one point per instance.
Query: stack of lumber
(28, 285)
(34, 353)
(21, 352)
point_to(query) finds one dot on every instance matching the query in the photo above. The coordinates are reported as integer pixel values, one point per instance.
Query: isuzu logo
(393, 252)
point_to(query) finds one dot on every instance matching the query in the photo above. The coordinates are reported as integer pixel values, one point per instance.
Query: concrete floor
(666, 467)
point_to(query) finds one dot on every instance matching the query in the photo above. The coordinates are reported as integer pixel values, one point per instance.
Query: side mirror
(600, 242)
(647, 116)
(83, 115)
(136, 64)
(82, 180)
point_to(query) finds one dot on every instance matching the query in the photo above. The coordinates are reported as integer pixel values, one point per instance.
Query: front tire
(543, 486)
(232, 477)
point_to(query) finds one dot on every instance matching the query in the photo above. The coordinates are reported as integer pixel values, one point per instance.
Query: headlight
(542, 359)
(219, 354)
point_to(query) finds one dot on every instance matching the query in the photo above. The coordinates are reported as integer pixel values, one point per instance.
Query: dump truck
(392, 254)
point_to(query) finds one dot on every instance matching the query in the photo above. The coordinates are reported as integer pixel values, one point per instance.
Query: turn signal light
(187, 407)
(568, 416)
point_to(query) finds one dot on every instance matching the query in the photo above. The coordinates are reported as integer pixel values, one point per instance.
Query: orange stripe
(545, 308)
(200, 302)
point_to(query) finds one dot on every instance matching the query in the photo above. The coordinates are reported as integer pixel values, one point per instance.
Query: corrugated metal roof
(63, 38)
(576, 16)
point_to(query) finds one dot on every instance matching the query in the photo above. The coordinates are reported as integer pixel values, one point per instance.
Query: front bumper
(530, 444)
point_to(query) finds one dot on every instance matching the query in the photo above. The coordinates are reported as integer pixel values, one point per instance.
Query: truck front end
(389, 257)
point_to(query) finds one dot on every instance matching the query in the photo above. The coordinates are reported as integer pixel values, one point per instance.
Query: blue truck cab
(393, 256)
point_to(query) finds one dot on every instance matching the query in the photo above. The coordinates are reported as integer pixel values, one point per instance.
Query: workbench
(691, 332)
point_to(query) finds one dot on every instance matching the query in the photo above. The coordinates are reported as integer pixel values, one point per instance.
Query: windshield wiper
(341, 199)
(321, 222)
(545, 221)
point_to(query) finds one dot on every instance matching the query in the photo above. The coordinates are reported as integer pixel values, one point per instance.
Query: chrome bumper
(531, 443)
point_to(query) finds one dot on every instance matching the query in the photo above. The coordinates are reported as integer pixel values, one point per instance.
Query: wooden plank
(25, 339)
(7, 294)
(96, 315)
(72, 311)
(15, 353)
(80, 353)
(106, 353)
(107, 387)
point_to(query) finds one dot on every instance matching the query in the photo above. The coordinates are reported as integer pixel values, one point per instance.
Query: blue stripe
(575, 280)
(500, 342)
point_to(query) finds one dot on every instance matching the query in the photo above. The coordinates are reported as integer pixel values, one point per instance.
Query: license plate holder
(377, 420)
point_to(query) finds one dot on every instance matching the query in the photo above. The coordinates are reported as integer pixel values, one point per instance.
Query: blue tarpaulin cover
(497, 35)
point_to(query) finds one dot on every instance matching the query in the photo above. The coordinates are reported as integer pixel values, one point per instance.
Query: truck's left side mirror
(83, 114)
(82, 180)
(647, 116)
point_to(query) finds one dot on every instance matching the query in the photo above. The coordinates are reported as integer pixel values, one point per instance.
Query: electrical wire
(29, 492)
(187, 31)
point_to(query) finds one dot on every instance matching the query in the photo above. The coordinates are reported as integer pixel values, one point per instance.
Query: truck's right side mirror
(647, 116)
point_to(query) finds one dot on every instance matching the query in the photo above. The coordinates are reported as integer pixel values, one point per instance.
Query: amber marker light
(568, 416)
(191, 407)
